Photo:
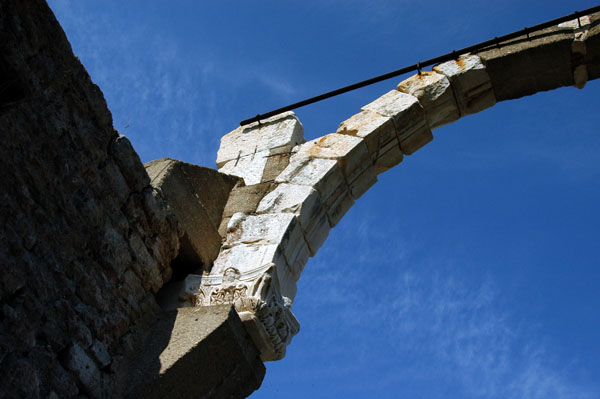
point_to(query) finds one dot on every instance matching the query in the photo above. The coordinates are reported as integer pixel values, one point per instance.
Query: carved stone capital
(257, 298)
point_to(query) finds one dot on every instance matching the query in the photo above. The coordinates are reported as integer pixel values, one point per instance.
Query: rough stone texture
(272, 228)
(250, 167)
(470, 83)
(525, 66)
(248, 150)
(408, 116)
(254, 260)
(435, 95)
(352, 155)
(592, 46)
(202, 352)
(243, 199)
(85, 240)
(197, 196)
(305, 203)
(350, 152)
(325, 175)
(379, 134)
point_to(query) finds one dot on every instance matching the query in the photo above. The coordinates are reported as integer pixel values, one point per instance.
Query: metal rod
(443, 58)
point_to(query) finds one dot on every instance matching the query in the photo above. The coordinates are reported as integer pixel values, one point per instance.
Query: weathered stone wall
(85, 241)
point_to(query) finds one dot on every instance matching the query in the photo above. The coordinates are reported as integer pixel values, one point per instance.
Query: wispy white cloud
(433, 322)
(279, 85)
(168, 101)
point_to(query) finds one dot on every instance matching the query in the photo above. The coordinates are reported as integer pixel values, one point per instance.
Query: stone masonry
(85, 242)
(89, 241)
(292, 203)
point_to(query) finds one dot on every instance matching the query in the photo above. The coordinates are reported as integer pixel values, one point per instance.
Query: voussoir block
(434, 92)
(379, 134)
(471, 83)
(527, 65)
(408, 117)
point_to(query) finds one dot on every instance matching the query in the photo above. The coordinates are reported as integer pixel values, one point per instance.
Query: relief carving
(266, 314)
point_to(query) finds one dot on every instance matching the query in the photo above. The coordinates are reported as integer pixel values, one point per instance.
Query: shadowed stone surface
(243, 199)
(592, 45)
(525, 66)
(197, 196)
(208, 354)
(85, 241)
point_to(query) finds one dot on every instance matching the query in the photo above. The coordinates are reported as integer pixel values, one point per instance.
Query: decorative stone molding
(257, 298)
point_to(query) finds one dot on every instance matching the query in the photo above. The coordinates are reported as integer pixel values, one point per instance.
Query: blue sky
(471, 270)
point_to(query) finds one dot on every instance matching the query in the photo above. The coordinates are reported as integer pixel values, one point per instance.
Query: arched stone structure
(296, 191)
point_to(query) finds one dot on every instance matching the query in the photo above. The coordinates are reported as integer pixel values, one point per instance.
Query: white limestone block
(287, 281)
(191, 284)
(252, 261)
(379, 134)
(235, 221)
(351, 152)
(249, 167)
(339, 207)
(243, 257)
(388, 156)
(375, 129)
(303, 201)
(318, 232)
(471, 83)
(338, 203)
(408, 116)
(391, 104)
(325, 175)
(295, 249)
(282, 131)
(575, 24)
(287, 198)
(258, 229)
(363, 182)
(433, 91)
(282, 229)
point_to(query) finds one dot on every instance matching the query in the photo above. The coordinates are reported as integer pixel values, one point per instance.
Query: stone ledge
(196, 353)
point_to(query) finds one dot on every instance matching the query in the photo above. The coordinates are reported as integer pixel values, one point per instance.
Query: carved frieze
(257, 298)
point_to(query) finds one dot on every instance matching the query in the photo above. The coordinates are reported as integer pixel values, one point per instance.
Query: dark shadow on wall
(200, 352)
(12, 89)
(142, 370)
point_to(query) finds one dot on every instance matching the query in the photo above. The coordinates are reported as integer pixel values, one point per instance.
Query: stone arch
(296, 191)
